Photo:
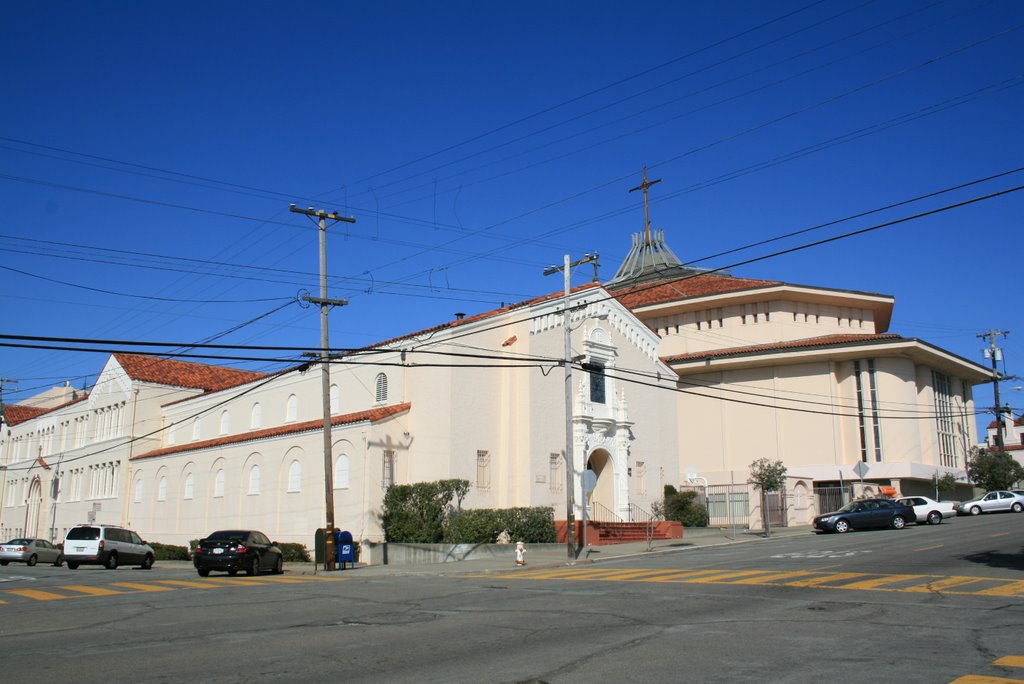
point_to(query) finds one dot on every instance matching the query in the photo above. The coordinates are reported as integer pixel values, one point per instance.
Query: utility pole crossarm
(321, 214)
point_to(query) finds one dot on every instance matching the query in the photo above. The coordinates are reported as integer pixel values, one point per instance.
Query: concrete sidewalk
(542, 555)
(554, 555)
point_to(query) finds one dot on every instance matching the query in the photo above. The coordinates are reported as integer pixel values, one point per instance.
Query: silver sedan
(999, 500)
(31, 551)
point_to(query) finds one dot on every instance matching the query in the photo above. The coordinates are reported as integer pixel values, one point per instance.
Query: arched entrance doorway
(602, 499)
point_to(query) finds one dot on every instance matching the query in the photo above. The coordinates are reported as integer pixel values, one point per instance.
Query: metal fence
(829, 499)
(726, 504)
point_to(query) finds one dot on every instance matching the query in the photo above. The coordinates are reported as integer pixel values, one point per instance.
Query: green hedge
(483, 525)
(170, 552)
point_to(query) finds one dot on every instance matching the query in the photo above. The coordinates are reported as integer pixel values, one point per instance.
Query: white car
(999, 500)
(929, 510)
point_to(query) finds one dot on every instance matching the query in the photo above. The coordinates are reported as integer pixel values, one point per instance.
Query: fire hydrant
(520, 553)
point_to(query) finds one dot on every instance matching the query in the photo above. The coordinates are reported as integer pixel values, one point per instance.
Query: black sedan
(866, 513)
(234, 550)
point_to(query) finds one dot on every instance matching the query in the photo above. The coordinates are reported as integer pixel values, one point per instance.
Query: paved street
(925, 604)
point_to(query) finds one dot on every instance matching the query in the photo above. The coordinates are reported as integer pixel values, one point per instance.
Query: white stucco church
(679, 376)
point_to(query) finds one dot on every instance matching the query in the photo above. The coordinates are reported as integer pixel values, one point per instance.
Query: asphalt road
(924, 604)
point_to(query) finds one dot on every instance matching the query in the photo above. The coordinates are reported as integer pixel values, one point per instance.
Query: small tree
(417, 513)
(945, 484)
(768, 476)
(993, 469)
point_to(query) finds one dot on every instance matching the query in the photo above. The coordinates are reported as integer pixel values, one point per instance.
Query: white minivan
(106, 545)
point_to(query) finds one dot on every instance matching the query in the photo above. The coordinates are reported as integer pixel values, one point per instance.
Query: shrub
(170, 552)
(683, 507)
(417, 513)
(294, 552)
(483, 525)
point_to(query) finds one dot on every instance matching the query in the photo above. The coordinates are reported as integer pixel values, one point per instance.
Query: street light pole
(325, 372)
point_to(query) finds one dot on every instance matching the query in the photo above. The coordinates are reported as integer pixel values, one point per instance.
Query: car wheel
(4, 562)
(975, 510)
(254, 566)
(72, 565)
(60, 560)
(934, 518)
(233, 571)
(32, 560)
(1018, 507)
(279, 566)
(147, 562)
(111, 563)
(842, 526)
(203, 572)
(898, 523)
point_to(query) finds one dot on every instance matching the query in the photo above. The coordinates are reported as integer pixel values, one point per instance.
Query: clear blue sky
(152, 150)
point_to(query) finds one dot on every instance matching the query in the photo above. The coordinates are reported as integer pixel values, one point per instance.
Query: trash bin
(346, 548)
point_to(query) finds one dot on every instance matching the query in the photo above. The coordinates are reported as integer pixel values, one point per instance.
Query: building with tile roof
(680, 377)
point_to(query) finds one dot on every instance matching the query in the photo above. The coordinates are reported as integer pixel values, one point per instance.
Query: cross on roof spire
(647, 215)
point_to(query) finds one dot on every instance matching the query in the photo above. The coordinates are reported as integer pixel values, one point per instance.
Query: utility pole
(4, 381)
(995, 354)
(325, 304)
(570, 479)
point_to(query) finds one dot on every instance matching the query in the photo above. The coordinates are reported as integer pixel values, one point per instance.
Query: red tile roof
(686, 288)
(373, 415)
(182, 373)
(809, 343)
(14, 413)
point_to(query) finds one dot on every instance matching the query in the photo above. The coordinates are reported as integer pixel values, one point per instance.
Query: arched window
(295, 477)
(161, 489)
(139, 491)
(382, 388)
(292, 411)
(190, 486)
(341, 472)
(257, 416)
(335, 399)
(225, 423)
(218, 484)
(254, 480)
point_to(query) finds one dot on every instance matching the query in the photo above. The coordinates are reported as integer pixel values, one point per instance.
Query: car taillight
(240, 549)
(101, 545)
(198, 549)
(22, 548)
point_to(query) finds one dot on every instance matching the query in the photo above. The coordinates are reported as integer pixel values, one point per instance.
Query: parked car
(999, 500)
(30, 551)
(234, 550)
(929, 510)
(106, 545)
(866, 513)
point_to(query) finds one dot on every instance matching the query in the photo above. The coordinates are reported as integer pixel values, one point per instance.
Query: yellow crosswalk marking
(138, 586)
(191, 584)
(773, 576)
(92, 591)
(722, 576)
(879, 582)
(828, 577)
(36, 594)
(981, 679)
(1008, 589)
(943, 583)
(1010, 661)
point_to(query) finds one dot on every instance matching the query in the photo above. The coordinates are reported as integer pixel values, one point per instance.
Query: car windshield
(850, 507)
(84, 533)
(229, 535)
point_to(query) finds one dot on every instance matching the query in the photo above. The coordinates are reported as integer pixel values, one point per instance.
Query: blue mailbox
(346, 548)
